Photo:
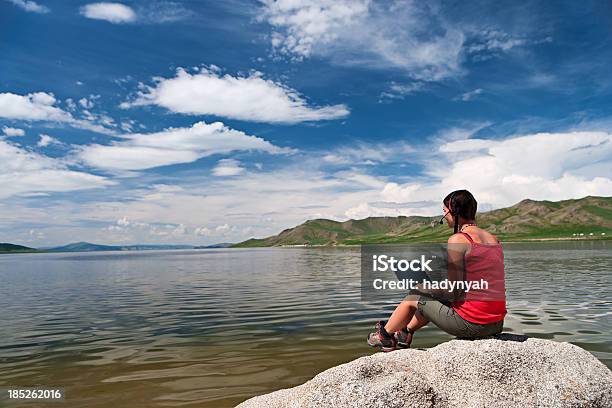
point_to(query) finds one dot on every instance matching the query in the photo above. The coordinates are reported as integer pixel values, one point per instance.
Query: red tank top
(482, 305)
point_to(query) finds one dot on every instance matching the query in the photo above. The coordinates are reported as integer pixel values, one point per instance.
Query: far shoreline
(512, 240)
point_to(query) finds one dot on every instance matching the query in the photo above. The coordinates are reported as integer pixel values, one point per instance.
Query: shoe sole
(382, 348)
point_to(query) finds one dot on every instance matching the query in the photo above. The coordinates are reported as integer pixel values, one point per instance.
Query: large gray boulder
(458, 373)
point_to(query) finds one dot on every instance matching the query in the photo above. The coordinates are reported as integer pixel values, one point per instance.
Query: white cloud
(413, 36)
(29, 5)
(23, 171)
(309, 23)
(223, 229)
(33, 106)
(202, 231)
(169, 230)
(404, 34)
(42, 106)
(88, 103)
(251, 98)
(208, 203)
(139, 151)
(500, 173)
(112, 12)
(150, 12)
(228, 167)
(9, 131)
(46, 140)
(365, 210)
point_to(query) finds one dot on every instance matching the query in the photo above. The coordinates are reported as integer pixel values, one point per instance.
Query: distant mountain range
(584, 218)
(220, 245)
(529, 219)
(89, 247)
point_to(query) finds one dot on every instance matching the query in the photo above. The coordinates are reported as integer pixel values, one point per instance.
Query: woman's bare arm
(457, 247)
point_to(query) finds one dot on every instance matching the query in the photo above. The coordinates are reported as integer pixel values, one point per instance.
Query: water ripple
(210, 328)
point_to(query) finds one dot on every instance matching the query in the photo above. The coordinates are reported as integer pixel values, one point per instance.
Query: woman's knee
(420, 316)
(412, 304)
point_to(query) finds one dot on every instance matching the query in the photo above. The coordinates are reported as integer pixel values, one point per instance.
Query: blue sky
(212, 121)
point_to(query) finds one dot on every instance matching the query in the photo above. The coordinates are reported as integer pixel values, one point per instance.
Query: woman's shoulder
(486, 237)
(479, 236)
(458, 238)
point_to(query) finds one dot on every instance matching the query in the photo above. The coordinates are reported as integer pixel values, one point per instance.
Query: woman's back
(484, 264)
(479, 235)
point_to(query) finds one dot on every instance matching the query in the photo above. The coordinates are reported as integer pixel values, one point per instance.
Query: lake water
(210, 328)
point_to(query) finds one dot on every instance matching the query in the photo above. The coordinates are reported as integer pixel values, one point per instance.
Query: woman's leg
(418, 321)
(404, 337)
(401, 316)
(444, 316)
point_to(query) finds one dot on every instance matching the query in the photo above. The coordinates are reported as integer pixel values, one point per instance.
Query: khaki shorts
(446, 318)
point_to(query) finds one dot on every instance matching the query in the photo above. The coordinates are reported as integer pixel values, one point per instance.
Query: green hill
(529, 219)
(6, 247)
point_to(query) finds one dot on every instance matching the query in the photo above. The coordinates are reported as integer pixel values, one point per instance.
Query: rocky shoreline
(458, 373)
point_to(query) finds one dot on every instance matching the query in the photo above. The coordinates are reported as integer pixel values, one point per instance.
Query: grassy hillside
(528, 219)
(6, 247)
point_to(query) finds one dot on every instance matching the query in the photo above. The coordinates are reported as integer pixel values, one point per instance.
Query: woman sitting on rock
(473, 254)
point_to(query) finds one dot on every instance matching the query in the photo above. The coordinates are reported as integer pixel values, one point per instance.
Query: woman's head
(459, 207)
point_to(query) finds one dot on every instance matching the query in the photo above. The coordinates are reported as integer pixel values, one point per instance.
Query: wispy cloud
(405, 34)
(31, 6)
(23, 171)
(159, 12)
(488, 43)
(468, 96)
(400, 91)
(228, 167)
(368, 154)
(172, 146)
(415, 38)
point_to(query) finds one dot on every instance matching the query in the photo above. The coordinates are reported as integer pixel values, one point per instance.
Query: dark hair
(461, 203)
